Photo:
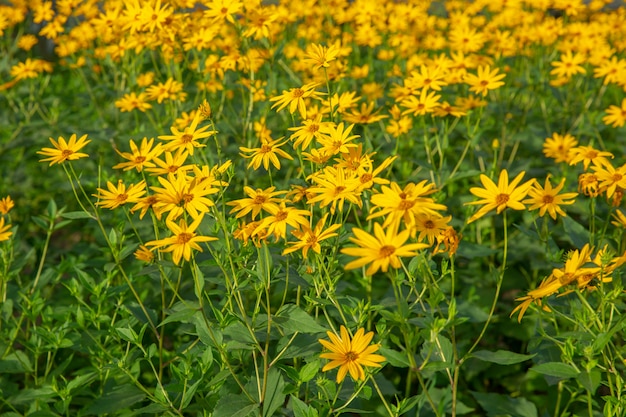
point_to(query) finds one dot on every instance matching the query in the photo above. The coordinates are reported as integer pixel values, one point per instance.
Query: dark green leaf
(499, 405)
(556, 369)
(76, 215)
(590, 380)
(232, 405)
(501, 357)
(293, 319)
(395, 359)
(118, 398)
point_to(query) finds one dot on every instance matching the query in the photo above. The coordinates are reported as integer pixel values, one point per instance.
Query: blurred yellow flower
(6, 204)
(548, 198)
(5, 232)
(268, 152)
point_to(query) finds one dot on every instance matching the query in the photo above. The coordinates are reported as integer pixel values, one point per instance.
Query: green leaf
(232, 405)
(118, 398)
(395, 359)
(76, 215)
(181, 313)
(15, 363)
(498, 405)
(590, 380)
(578, 234)
(501, 357)
(308, 371)
(556, 369)
(301, 409)
(293, 319)
(274, 397)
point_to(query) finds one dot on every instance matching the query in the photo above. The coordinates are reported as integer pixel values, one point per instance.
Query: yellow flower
(184, 239)
(139, 156)
(144, 254)
(132, 101)
(558, 147)
(265, 154)
(320, 56)
(615, 116)
(119, 195)
(6, 204)
(294, 98)
(569, 65)
(5, 233)
(500, 196)
(381, 250)
(64, 151)
(186, 139)
(351, 355)
(485, 80)
(610, 178)
(548, 198)
(311, 238)
(258, 200)
(426, 103)
(587, 155)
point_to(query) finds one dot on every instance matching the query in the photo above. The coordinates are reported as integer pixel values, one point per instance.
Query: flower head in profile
(500, 196)
(350, 354)
(119, 195)
(5, 230)
(615, 115)
(64, 150)
(269, 151)
(139, 156)
(6, 204)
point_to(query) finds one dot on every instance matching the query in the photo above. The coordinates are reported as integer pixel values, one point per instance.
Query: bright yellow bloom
(336, 139)
(311, 238)
(558, 147)
(6, 204)
(610, 178)
(132, 101)
(309, 130)
(615, 116)
(258, 200)
(402, 205)
(381, 250)
(548, 198)
(186, 139)
(183, 240)
(587, 155)
(334, 186)
(5, 233)
(139, 157)
(569, 65)
(144, 254)
(265, 154)
(281, 217)
(119, 195)
(350, 355)
(294, 98)
(500, 196)
(320, 56)
(180, 194)
(64, 151)
(172, 163)
(484, 81)
(427, 102)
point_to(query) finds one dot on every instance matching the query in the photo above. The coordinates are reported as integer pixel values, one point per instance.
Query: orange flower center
(297, 93)
(502, 199)
(280, 215)
(351, 356)
(183, 238)
(386, 251)
(140, 159)
(339, 189)
(365, 178)
(406, 205)
(429, 224)
(548, 199)
(121, 198)
(186, 198)
(265, 149)
(66, 152)
(186, 138)
(259, 199)
(617, 177)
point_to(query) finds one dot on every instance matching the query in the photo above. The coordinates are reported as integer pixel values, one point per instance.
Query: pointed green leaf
(501, 357)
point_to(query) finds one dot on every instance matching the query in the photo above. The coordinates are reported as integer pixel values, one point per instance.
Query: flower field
(312, 208)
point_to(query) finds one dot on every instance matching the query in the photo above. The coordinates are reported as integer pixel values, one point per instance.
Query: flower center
(184, 238)
(297, 93)
(121, 198)
(259, 199)
(186, 138)
(502, 199)
(548, 199)
(187, 198)
(351, 356)
(140, 159)
(280, 215)
(429, 224)
(386, 251)
(66, 153)
(406, 205)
